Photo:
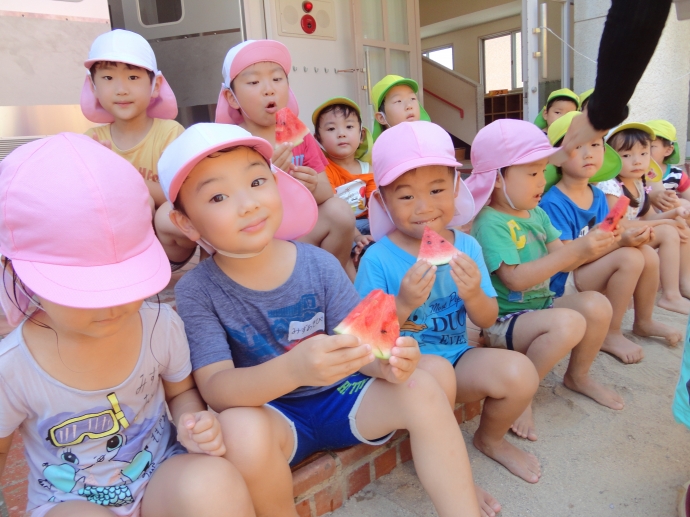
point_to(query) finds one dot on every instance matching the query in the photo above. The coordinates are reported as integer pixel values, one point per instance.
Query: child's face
(339, 136)
(400, 105)
(557, 110)
(94, 323)
(660, 151)
(586, 160)
(636, 161)
(421, 197)
(123, 92)
(524, 185)
(231, 200)
(261, 90)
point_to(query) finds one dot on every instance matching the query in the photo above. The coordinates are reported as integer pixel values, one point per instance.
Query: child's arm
(560, 258)
(5, 444)
(156, 192)
(197, 429)
(404, 358)
(318, 361)
(661, 198)
(481, 308)
(415, 288)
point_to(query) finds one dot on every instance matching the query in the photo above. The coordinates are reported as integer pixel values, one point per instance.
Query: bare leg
(420, 406)
(196, 484)
(596, 310)
(667, 240)
(617, 276)
(177, 247)
(685, 269)
(645, 293)
(508, 381)
(545, 337)
(79, 509)
(259, 443)
(334, 230)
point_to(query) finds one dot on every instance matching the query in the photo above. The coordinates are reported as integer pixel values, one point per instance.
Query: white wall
(664, 88)
(97, 9)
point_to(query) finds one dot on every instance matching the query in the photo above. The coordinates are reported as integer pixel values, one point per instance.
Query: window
(502, 56)
(443, 56)
(158, 12)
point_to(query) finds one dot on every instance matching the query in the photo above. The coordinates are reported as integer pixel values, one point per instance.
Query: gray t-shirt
(226, 321)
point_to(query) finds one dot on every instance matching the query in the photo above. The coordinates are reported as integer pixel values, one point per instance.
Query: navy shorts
(326, 420)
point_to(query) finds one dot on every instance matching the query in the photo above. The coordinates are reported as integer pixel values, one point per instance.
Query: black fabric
(631, 33)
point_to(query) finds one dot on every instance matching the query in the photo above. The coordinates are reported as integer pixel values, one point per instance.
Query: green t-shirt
(515, 240)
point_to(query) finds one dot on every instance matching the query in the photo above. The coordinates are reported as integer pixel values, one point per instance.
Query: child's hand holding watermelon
(415, 288)
(306, 176)
(466, 275)
(403, 361)
(282, 156)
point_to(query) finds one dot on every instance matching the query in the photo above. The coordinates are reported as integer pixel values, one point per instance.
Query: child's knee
(248, 434)
(338, 213)
(519, 376)
(210, 478)
(569, 325)
(667, 234)
(442, 371)
(421, 392)
(631, 260)
(595, 307)
(651, 257)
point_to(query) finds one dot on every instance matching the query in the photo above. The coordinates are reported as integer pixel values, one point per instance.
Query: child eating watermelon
(255, 88)
(421, 195)
(260, 317)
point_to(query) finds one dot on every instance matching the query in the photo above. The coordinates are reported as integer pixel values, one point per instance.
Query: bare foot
(681, 305)
(592, 389)
(488, 505)
(653, 328)
(621, 347)
(524, 426)
(519, 462)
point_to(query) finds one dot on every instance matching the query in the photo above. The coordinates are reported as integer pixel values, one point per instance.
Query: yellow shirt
(144, 156)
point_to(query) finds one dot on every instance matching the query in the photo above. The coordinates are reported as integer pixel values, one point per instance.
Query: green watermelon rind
(439, 258)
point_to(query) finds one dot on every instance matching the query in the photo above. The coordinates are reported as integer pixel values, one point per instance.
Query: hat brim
(331, 102)
(258, 144)
(363, 152)
(655, 173)
(300, 211)
(95, 287)
(674, 157)
(632, 125)
(610, 168)
(539, 121)
(481, 186)
(381, 224)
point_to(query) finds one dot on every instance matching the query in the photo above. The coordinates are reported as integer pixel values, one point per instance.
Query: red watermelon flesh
(435, 249)
(289, 128)
(616, 214)
(375, 322)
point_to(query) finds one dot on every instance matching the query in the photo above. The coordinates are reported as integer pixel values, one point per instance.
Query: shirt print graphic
(440, 321)
(100, 453)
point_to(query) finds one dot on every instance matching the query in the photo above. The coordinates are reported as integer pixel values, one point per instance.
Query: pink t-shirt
(309, 154)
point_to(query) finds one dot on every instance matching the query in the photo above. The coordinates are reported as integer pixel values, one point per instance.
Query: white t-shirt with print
(100, 446)
(613, 188)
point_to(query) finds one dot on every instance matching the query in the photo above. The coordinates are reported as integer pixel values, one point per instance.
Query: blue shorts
(326, 420)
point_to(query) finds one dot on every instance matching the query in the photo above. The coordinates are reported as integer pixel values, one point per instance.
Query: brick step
(321, 483)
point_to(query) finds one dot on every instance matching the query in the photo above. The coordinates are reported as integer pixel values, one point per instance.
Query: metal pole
(543, 23)
(530, 58)
(565, 50)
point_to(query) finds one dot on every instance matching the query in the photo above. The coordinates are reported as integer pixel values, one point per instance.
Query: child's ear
(232, 101)
(157, 81)
(499, 181)
(184, 224)
(380, 118)
(668, 151)
(362, 135)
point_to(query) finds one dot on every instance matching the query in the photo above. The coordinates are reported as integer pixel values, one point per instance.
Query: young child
(558, 104)
(669, 229)
(584, 98)
(338, 128)
(674, 188)
(255, 86)
(260, 316)
(395, 101)
(415, 169)
(125, 91)
(629, 269)
(522, 252)
(87, 374)
(681, 412)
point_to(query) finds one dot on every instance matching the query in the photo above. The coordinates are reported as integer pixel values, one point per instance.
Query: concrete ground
(596, 462)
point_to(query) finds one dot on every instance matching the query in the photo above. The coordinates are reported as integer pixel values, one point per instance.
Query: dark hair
(634, 202)
(102, 64)
(559, 98)
(584, 103)
(665, 141)
(338, 109)
(626, 139)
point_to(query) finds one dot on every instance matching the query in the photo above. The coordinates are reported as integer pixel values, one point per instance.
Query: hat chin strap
(455, 183)
(244, 113)
(211, 251)
(385, 120)
(505, 193)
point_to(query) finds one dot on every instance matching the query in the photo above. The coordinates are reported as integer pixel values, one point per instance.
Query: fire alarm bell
(306, 19)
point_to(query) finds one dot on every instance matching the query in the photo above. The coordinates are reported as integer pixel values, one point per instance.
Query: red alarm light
(308, 24)
(307, 7)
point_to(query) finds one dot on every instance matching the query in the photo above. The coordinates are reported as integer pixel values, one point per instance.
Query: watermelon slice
(435, 249)
(375, 322)
(616, 214)
(289, 128)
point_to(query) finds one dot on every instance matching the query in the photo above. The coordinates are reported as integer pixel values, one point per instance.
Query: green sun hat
(609, 169)
(664, 129)
(363, 152)
(584, 96)
(378, 94)
(563, 92)
(654, 173)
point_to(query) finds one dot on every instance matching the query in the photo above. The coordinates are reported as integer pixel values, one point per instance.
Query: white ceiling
(476, 18)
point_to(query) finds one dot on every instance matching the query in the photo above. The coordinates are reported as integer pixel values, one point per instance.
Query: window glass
(157, 12)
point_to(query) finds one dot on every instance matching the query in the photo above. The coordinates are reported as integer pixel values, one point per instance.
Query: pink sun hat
(240, 57)
(123, 46)
(407, 146)
(503, 143)
(200, 140)
(76, 224)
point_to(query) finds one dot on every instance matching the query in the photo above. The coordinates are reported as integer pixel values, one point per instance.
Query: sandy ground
(595, 461)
